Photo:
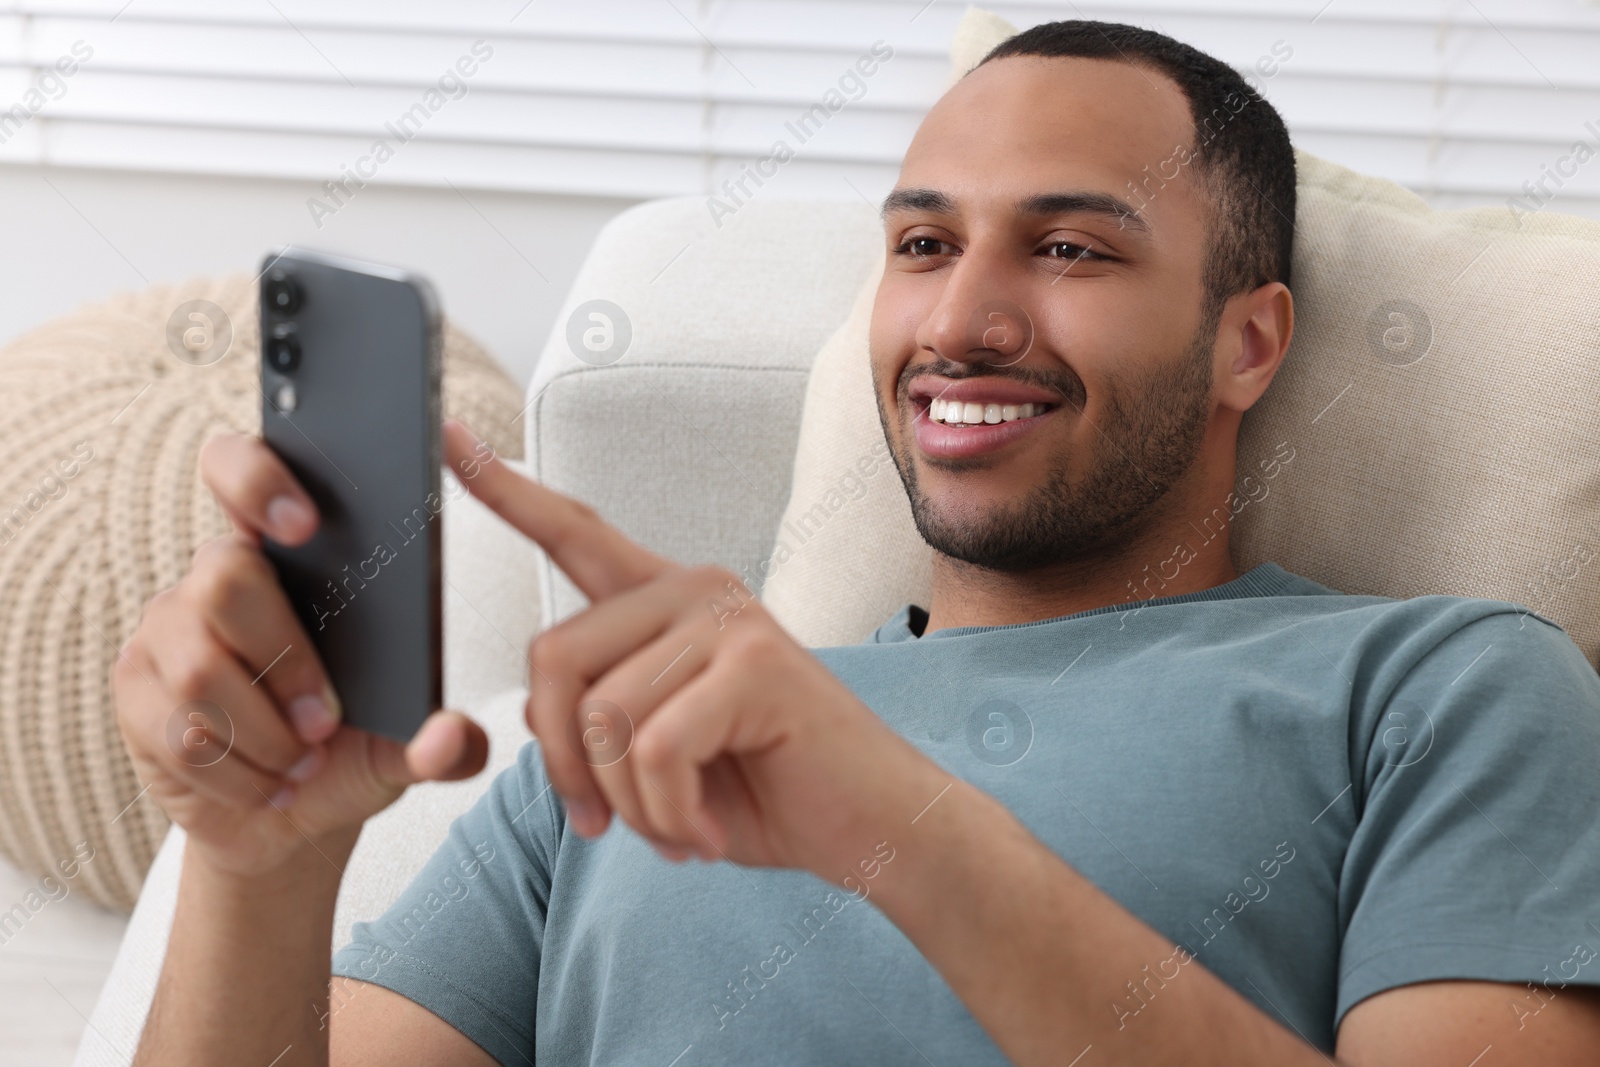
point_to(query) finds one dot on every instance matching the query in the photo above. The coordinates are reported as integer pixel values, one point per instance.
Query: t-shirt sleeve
(465, 938)
(1476, 854)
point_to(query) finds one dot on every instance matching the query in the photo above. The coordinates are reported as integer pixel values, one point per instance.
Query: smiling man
(1049, 818)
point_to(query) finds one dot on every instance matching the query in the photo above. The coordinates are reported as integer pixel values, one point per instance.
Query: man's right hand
(224, 648)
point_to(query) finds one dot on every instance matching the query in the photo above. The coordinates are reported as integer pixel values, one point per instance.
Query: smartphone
(350, 357)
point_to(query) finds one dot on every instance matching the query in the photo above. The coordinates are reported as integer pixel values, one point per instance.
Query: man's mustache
(1067, 384)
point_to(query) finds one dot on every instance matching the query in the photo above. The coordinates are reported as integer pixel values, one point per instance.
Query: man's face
(1000, 292)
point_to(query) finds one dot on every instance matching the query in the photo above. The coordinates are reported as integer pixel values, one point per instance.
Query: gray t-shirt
(1319, 796)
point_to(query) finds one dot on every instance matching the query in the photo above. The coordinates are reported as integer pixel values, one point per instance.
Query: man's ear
(1252, 337)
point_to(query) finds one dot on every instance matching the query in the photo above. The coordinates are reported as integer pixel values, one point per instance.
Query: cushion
(490, 602)
(1432, 430)
(100, 507)
(684, 436)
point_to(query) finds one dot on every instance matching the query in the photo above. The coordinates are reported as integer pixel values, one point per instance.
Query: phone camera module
(283, 348)
(282, 292)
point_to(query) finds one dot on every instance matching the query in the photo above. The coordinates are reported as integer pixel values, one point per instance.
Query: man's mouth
(970, 417)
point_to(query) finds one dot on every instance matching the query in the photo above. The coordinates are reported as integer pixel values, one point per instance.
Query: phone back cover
(363, 440)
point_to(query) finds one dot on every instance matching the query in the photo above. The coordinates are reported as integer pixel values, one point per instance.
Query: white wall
(76, 235)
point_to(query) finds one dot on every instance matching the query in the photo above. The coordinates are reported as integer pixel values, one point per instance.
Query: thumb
(449, 747)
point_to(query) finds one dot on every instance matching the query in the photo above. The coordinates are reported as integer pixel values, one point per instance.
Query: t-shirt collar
(1266, 579)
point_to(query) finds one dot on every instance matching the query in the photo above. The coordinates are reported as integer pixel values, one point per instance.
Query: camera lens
(283, 348)
(282, 291)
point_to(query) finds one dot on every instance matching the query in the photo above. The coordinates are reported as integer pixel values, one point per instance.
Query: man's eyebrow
(917, 200)
(1086, 202)
(1078, 202)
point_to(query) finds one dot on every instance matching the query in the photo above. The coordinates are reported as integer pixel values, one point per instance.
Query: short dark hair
(1245, 164)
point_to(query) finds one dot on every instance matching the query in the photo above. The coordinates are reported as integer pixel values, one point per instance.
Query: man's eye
(920, 246)
(1068, 250)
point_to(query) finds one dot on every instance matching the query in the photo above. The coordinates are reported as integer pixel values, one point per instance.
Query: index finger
(600, 559)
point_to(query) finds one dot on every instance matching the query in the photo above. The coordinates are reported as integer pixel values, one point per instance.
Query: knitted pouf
(102, 415)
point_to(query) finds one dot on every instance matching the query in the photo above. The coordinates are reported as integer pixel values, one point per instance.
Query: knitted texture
(101, 506)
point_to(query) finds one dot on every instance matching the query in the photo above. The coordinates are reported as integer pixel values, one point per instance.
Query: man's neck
(1167, 562)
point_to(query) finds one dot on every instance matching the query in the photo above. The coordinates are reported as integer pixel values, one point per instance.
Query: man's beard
(1149, 436)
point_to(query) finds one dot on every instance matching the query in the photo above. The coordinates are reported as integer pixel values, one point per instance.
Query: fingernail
(310, 714)
(335, 708)
(287, 515)
(283, 797)
(585, 818)
(432, 745)
(305, 766)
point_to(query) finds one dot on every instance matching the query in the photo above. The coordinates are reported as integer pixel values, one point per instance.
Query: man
(1067, 813)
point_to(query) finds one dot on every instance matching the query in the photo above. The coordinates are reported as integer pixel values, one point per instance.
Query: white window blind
(1462, 101)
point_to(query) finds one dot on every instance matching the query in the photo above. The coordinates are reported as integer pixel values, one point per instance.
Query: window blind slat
(648, 98)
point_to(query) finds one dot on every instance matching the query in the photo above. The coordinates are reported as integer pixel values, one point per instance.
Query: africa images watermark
(51, 487)
(404, 928)
(1566, 167)
(1553, 580)
(1266, 66)
(1148, 584)
(744, 987)
(49, 890)
(50, 85)
(1581, 956)
(796, 531)
(851, 87)
(342, 590)
(1142, 993)
(353, 177)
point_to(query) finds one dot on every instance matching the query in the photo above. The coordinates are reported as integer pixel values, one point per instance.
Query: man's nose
(976, 321)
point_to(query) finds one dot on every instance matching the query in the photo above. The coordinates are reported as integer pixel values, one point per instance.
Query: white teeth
(959, 413)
